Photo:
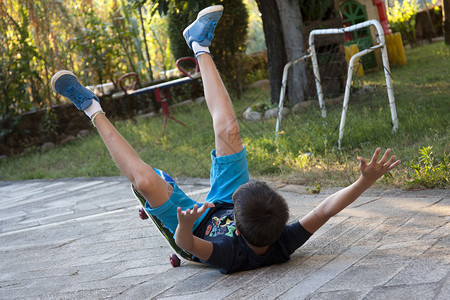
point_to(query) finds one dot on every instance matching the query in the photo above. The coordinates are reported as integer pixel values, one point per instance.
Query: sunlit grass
(306, 150)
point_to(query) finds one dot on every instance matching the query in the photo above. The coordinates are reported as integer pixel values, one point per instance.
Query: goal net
(333, 60)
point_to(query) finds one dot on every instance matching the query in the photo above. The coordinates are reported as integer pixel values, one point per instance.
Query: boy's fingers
(209, 204)
(390, 161)
(362, 163)
(362, 160)
(394, 164)
(205, 206)
(375, 155)
(385, 156)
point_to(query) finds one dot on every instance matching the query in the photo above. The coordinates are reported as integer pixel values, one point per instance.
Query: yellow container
(351, 50)
(395, 49)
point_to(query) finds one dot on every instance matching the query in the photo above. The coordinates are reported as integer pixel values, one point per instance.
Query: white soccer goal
(353, 60)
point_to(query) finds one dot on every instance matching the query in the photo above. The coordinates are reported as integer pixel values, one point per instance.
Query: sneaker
(202, 29)
(66, 84)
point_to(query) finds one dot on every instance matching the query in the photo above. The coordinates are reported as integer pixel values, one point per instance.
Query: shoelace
(207, 31)
(74, 94)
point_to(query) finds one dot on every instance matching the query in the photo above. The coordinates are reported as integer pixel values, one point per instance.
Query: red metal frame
(197, 68)
(165, 108)
(136, 82)
(157, 89)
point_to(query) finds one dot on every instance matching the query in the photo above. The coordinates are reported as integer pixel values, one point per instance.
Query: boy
(242, 225)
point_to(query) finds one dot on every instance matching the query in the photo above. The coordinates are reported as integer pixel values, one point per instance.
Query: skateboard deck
(167, 234)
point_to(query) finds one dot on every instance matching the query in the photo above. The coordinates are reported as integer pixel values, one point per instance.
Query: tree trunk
(291, 23)
(446, 22)
(275, 45)
(145, 43)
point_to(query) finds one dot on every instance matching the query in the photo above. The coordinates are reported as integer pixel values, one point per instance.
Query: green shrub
(179, 17)
(430, 171)
(228, 45)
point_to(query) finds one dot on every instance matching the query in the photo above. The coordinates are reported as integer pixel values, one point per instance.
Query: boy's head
(260, 213)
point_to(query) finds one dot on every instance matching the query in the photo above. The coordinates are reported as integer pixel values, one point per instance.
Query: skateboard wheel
(174, 260)
(142, 214)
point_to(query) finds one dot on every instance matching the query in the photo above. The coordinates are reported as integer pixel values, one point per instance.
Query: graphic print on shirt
(221, 225)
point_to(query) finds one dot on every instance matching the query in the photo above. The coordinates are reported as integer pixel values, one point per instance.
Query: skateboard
(167, 234)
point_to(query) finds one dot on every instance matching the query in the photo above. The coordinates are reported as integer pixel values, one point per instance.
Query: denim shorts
(227, 174)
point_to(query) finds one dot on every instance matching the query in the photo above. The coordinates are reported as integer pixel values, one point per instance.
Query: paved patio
(83, 239)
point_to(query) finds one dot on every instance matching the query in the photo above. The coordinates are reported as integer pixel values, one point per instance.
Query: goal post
(380, 44)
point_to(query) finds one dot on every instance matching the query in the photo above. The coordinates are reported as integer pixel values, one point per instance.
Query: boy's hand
(183, 234)
(188, 217)
(374, 170)
(336, 202)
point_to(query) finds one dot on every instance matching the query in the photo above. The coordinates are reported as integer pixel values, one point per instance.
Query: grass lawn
(306, 151)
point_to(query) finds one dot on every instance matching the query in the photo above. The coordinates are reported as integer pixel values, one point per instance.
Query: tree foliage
(230, 36)
(17, 76)
(98, 40)
(402, 18)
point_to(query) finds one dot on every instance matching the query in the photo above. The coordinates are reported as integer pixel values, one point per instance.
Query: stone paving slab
(82, 239)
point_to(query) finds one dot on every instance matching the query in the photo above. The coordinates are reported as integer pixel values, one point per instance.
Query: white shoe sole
(57, 75)
(203, 12)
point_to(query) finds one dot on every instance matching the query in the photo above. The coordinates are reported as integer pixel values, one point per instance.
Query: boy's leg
(198, 36)
(226, 128)
(154, 188)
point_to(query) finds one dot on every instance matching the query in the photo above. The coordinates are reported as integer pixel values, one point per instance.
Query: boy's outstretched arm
(183, 234)
(333, 204)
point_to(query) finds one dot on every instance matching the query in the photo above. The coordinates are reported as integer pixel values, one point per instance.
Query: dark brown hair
(260, 213)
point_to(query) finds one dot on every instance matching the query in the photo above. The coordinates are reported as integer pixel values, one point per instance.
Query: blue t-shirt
(231, 252)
